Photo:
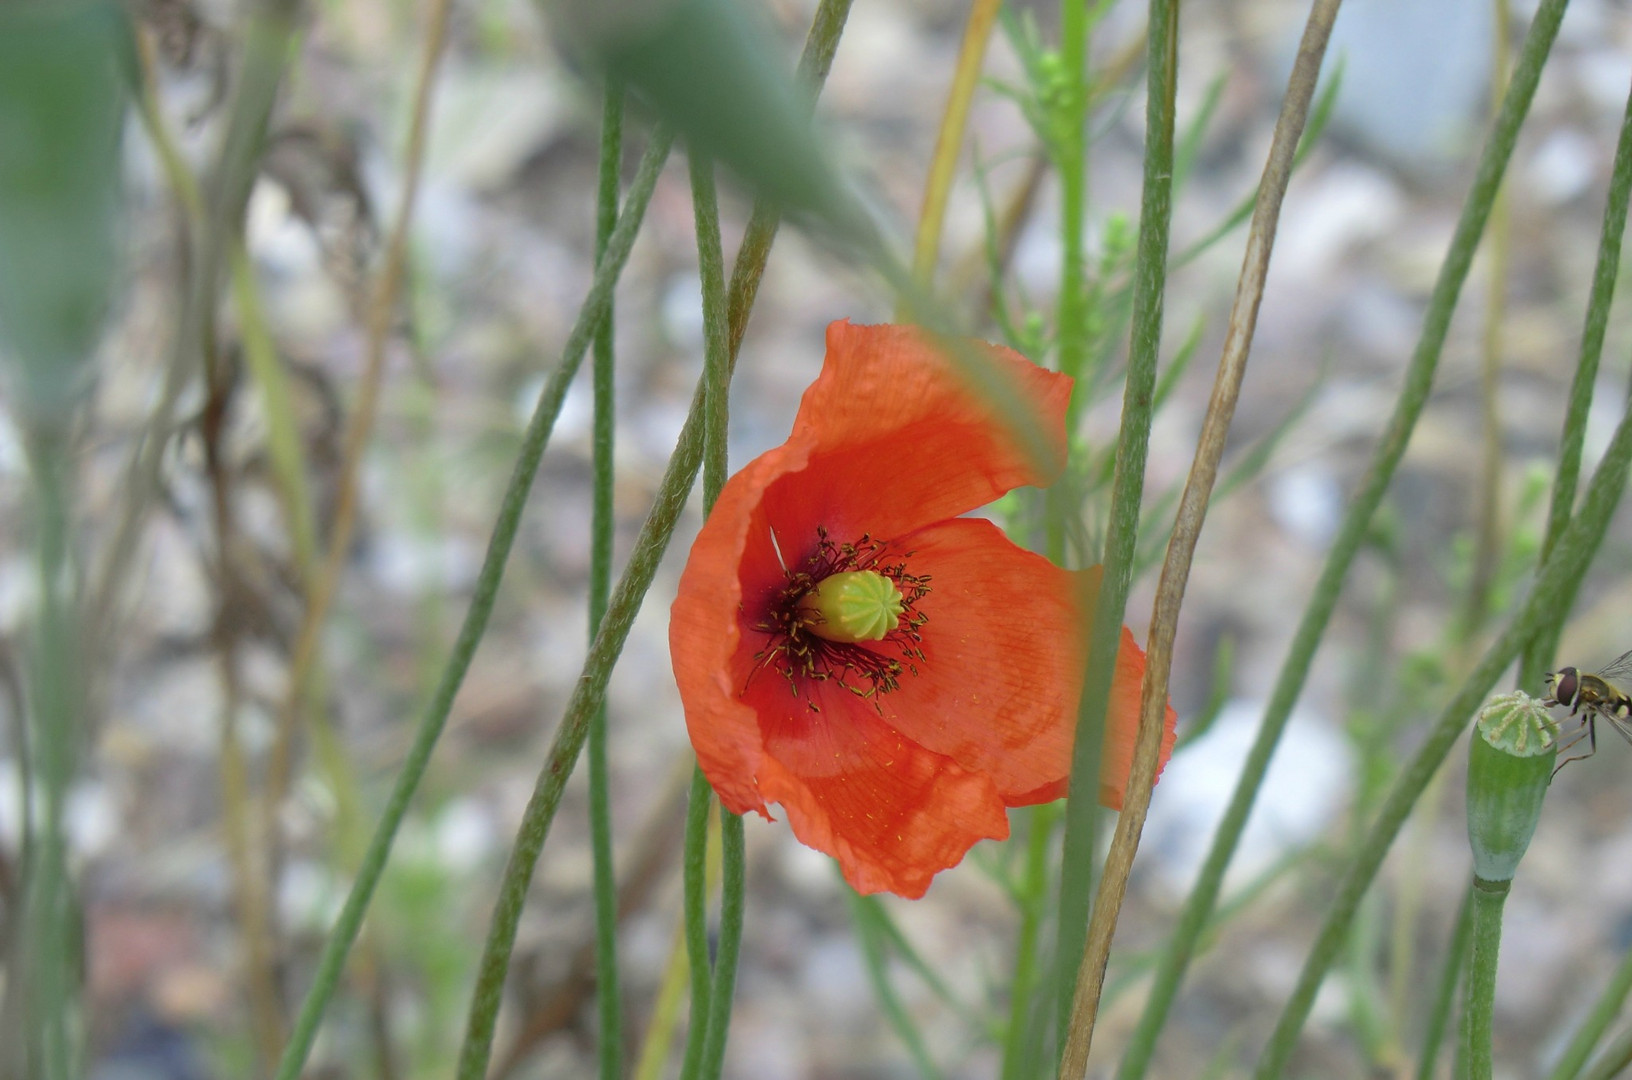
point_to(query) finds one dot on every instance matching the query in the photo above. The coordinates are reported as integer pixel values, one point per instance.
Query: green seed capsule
(1510, 765)
(857, 605)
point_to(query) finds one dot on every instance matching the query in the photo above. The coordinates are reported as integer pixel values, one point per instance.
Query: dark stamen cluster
(800, 655)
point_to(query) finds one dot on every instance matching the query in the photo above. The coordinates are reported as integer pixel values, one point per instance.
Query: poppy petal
(705, 635)
(897, 440)
(891, 812)
(1122, 724)
(1003, 657)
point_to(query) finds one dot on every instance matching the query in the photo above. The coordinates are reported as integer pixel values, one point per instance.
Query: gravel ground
(501, 252)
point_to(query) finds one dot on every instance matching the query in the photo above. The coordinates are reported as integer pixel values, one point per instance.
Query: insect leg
(1592, 741)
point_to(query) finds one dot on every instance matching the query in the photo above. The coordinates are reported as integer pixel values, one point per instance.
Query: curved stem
(1604, 1012)
(608, 1002)
(1557, 580)
(1127, 492)
(1539, 653)
(695, 888)
(1020, 1051)
(1192, 512)
(482, 600)
(1351, 534)
(678, 477)
(382, 307)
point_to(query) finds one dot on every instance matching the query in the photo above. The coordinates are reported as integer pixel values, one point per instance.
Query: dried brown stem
(1186, 530)
(382, 308)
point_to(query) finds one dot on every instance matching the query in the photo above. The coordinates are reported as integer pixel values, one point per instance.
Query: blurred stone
(1564, 167)
(1416, 78)
(1305, 788)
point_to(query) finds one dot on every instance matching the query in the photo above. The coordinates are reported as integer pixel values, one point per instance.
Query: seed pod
(1510, 765)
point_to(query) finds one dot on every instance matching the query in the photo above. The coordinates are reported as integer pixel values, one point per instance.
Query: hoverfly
(1598, 695)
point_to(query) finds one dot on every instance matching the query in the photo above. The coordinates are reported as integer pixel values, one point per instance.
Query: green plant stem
(1604, 1013)
(694, 876)
(874, 943)
(1486, 899)
(1019, 1042)
(1488, 498)
(1192, 512)
(1071, 159)
(474, 626)
(1557, 580)
(1127, 493)
(267, 34)
(1540, 652)
(733, 906)
(608, 1002)
(716, 382)
(1614, 1060)
(1351, 534)
(1450, 975)
(589, 692)
(817, 59)
(379, 314)
(710, 1037)
(48, 974)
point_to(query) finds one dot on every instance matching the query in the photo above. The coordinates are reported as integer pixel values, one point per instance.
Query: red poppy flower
(893, 675)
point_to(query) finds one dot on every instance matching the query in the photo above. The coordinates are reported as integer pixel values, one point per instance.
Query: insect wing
(1621, 724)
(1618, 668)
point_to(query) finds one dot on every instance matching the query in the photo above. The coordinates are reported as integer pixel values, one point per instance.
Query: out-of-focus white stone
(1345, 205)
(1416, 76)
(93, 819)
(1307, 501)
(1307, 785)
(464, 835)
(309, 896)
(1564, 166)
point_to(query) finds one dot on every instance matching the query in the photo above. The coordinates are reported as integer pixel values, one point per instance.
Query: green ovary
(859, 605)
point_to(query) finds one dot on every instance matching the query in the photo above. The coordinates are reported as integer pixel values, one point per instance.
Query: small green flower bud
(1510, 765)
(857, 605)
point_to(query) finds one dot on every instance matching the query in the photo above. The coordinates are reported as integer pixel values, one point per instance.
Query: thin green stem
(1540, 652)
(1450, 975)
(1486, 899)
(267, 34)
(1069, 143)
(1191, 514)
(609, 1007)
(1558, 579)
(716, 328)
(874, 940)
(1071, 159)
(817, 59)
(1351, 534)
(590, 690)
(1488, 498)
(710, 1037)
(1614, 1060)
(694, 875)
(482, 600)
(1020, 1041)
(1127, 493)
(1604, 1012)
(733, 906)
(48, 977)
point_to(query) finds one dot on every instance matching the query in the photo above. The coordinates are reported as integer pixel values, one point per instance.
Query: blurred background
(501, 255)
